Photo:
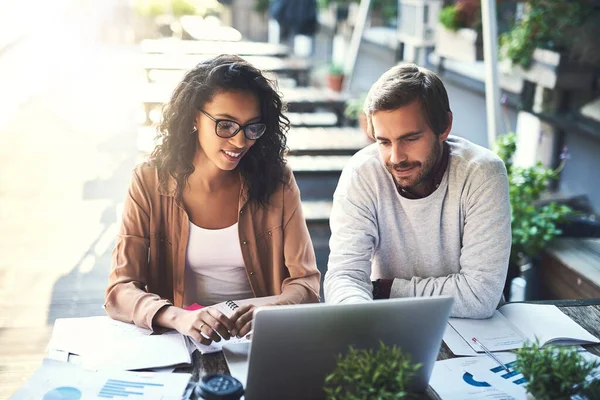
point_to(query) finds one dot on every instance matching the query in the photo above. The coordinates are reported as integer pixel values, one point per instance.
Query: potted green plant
(154, 18)
(367, 374)
(457, 36)
(335, 77)
(354, 112)
(556, 373)
(540, 41)
(156, 8)
(533, 225)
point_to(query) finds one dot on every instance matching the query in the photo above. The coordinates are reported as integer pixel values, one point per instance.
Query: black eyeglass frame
(240, 127)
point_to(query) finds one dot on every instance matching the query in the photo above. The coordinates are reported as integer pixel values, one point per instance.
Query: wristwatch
(376, 289)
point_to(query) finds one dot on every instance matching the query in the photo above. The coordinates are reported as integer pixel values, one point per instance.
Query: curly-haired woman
(215, 214)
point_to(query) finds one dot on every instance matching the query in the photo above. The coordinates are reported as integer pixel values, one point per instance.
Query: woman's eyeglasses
(225, 128)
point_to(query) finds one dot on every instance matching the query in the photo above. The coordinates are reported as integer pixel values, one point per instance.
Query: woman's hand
(205, 325)
(242, 319)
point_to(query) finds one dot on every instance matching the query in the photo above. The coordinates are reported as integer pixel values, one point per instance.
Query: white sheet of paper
(165, 370)
(487, 370)
(237, 358)
(104, 343)
(58, 355)
(496, 333)
(456, 343)
(80, 335)
(548, 322)
(215, 347)
(452, 379)
(60, 380)
(153, 351)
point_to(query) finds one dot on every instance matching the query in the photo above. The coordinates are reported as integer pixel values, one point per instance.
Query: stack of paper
(103, 343)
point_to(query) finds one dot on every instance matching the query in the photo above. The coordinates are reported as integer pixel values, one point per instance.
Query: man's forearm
(347, 287)
(472, 298)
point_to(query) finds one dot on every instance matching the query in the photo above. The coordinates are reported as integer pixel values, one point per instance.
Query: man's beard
(425, 171)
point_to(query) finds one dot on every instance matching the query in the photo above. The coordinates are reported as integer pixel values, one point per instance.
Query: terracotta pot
(335, 82)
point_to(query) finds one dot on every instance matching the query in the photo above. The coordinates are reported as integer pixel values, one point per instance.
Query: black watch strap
(376, 289)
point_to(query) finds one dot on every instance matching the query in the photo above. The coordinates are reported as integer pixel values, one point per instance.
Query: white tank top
(214, 267)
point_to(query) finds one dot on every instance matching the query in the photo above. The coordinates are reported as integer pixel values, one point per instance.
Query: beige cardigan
(148, 262)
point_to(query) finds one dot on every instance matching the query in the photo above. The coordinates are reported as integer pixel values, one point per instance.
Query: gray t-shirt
(456, 241)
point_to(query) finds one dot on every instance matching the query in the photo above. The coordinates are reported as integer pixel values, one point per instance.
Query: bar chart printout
(57, 380)
(115, 388)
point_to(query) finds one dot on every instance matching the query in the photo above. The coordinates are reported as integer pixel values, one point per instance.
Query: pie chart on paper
(63, 393)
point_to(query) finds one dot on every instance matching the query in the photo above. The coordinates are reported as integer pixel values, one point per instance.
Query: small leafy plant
(158, 7)
(555, 373)
(354, 107)
(366, 374)
(533, 226)
(336, 70)
(546, 24)
(463, 14)
(448, 18)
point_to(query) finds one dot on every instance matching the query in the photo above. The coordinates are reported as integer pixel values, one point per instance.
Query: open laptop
(294, 347)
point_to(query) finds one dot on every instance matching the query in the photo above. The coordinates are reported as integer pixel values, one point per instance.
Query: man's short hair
(403, 84)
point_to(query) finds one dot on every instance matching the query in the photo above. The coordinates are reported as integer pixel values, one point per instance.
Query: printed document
(468, 378)
(60, 380)
(104, 343)
(514, 323)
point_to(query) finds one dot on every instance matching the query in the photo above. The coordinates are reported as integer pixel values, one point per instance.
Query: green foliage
(261, 6)
(545, 24)
(555, 373)
(448, 18)
(533, 227)
(389, 9)
(152, 8)
(462, 14)
(327, 3)
(336, 69)
(354, 107)
(592, 391)
(365, 374)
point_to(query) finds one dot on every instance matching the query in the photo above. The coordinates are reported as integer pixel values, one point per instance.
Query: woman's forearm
(167, 317)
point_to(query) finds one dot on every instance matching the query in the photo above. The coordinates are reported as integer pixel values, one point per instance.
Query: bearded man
(419, 212)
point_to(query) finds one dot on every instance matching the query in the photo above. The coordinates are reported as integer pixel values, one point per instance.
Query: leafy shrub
(555, 373)
(366, 374)
(533, 226)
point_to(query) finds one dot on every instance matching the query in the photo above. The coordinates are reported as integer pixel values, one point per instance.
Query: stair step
(316, 210)
(317, 164)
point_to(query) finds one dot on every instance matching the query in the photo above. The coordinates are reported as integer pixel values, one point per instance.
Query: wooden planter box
(553, 70)
(462, 45)
(570, 269)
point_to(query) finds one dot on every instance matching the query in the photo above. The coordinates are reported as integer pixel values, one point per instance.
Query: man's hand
(205, 325)
(242, 319)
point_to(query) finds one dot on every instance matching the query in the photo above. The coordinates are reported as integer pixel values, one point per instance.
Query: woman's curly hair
(262, 166)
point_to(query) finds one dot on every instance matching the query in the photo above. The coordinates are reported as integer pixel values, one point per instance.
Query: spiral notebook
(514, 323)
(228, 307)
